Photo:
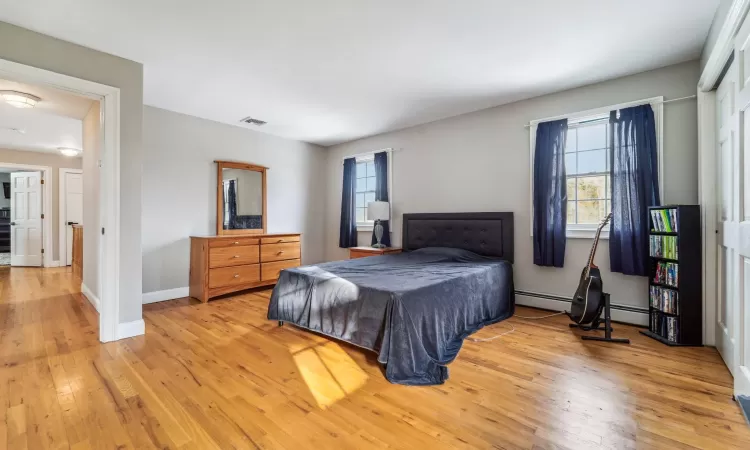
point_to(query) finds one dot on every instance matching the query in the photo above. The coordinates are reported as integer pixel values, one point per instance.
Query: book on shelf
(664, 220)
(665, 326)
(663, 247)
(666, 273)
(664, 299)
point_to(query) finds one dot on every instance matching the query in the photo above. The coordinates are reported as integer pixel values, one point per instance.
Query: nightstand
(363, 252)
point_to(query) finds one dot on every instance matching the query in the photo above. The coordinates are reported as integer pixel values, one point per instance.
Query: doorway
(71, 210)
(107, 202)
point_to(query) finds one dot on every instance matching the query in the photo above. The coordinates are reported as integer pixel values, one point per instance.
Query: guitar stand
(607, 326)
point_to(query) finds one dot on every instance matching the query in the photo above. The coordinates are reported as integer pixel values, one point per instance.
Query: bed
(413, 309)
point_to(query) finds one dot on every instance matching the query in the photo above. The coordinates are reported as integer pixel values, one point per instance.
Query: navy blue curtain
(348, 227)
(232, 201)
(381, 194)
(635, 187)
(550, 193)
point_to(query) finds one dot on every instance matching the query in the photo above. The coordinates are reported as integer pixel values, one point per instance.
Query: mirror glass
(243, 199)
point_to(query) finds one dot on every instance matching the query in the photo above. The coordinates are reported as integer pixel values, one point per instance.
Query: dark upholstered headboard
(486, 233)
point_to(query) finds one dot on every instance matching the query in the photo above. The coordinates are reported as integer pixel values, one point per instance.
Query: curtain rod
(528, 125)
(389, 150)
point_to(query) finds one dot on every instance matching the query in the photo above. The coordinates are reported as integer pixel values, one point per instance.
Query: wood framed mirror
(241, 206)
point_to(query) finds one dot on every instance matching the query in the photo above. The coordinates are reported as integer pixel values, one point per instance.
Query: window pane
(590, 211)
(571, 189)
(371, 169)
(570, 144)
(361, 184)
(360, 214)
(371, 184)
(369, 197)
(592, 137)
(591, 188)
(570, 163)
(609, 207)
(361, 201)
(609, 186)
(361, 170)
(571, 212)
(592, 161)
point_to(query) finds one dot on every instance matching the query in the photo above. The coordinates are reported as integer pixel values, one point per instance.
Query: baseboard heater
(559, 298)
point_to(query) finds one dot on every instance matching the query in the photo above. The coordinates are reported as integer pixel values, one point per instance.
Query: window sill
(585, 233)
(365, 227)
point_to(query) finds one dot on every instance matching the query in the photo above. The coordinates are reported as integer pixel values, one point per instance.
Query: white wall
(38, 50)
(480, 162)
(55, 162)
(92, 148)
(179, 189)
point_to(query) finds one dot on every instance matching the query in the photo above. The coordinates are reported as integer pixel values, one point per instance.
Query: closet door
(737, 233)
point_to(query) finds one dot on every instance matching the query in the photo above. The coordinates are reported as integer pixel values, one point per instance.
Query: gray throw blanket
(414, 309)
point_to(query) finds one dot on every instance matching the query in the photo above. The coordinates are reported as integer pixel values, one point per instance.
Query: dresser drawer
(279, 239)
(270, 271)
(279, 252)
(233, 242)
(231, 276)
(233, 256)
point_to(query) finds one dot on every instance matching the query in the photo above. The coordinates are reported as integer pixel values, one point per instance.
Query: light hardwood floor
(220, 375)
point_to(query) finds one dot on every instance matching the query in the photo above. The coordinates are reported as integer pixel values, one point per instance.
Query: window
(587, 160)
(587, 165)
(365, 190)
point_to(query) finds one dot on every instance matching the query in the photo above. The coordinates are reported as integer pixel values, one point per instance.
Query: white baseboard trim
(93, 299)
(544, 301)
(167, 294)
(54, 264)
(130, 329)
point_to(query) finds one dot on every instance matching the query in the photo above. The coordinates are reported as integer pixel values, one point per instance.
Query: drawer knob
(236, 242)
(236, 275)
(280, 252)
(281, 240)
(236, 256)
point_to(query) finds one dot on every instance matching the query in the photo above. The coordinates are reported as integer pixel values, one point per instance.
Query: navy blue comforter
(414, 309)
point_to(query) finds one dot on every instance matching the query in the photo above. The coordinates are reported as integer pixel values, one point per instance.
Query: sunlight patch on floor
(329, 372)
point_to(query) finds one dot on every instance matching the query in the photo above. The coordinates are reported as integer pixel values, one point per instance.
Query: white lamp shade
(378, 211)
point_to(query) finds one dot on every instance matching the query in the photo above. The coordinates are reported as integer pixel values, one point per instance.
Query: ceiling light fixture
(20, 99)
(67, 151)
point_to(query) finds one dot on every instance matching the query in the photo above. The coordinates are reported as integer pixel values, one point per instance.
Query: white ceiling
(329, 71)
(54, 122)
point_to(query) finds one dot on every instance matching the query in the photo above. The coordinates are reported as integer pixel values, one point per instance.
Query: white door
(739, 240)
(72, 184)
(26, 219)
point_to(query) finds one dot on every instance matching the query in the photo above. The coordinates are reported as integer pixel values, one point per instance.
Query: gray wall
(179, 185)
(38, 50)
(55, 162)
(480, 162)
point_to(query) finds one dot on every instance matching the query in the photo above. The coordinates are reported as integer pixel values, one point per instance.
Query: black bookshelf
(675, 275)
(4, 230)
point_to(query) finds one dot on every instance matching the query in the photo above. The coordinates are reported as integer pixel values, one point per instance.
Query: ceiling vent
(251, 121)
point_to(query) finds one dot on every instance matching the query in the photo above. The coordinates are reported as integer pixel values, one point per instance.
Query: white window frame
(588, 231)
(368, 225)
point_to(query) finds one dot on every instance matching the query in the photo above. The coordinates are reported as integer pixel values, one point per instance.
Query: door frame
(63, 227)
(46, 208)
(109, 186)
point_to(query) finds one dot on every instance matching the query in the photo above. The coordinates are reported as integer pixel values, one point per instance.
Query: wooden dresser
(224, 264)
(77, 256)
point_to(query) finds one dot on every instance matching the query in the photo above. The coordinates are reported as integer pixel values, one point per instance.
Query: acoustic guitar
(587, 301)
